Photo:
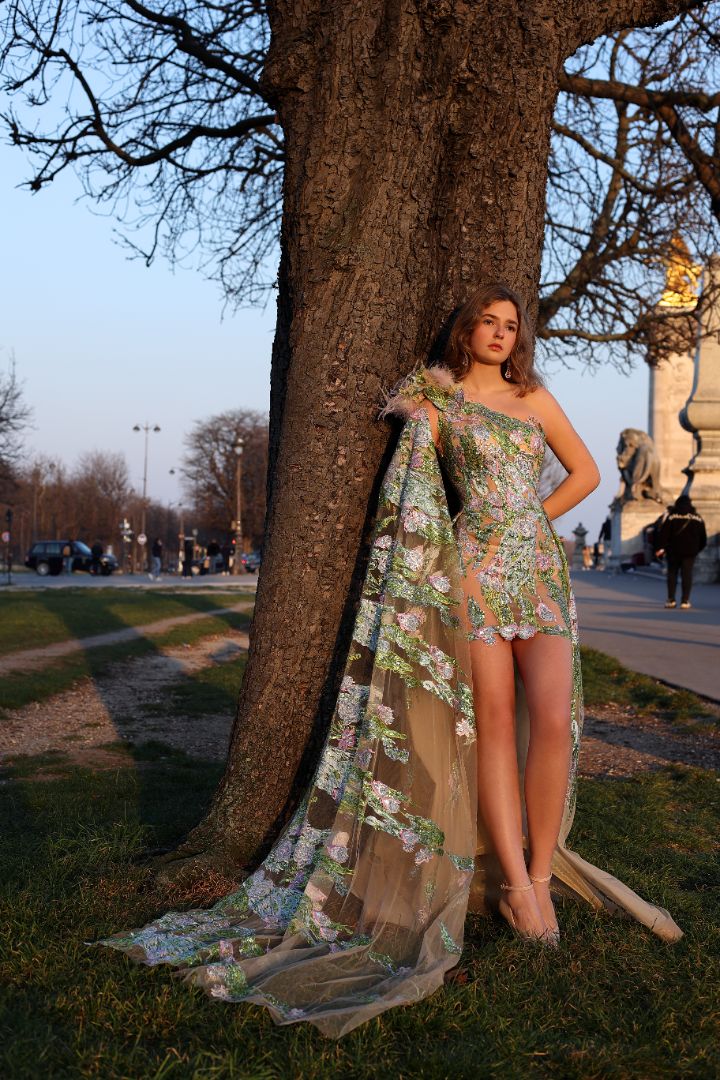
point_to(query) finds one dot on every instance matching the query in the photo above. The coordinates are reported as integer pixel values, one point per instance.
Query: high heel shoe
(546, 938)
(553, 931)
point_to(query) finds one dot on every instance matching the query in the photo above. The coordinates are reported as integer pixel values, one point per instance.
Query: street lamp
(147, 428)
(238, 567)
(181, 534)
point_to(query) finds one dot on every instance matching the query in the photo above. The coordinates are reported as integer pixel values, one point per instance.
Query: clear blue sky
(103, 343)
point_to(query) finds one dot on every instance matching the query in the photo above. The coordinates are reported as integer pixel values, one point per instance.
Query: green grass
(210, 691)
(607, 682)
(614, 1001)
(31, 619)
(23, 687)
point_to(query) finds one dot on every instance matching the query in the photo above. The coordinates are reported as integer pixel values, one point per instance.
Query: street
(623, 615)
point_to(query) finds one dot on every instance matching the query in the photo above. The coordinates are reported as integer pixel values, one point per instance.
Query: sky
(103, 343)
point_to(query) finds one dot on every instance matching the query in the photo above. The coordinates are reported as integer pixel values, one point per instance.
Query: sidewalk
(623, 615)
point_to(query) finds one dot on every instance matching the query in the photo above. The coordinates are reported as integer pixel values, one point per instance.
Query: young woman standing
(453, 745)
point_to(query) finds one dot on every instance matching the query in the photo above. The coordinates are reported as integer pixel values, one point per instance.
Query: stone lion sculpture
(639, 465)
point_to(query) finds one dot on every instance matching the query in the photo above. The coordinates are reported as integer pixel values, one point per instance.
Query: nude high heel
(546, 938)
(553, 932)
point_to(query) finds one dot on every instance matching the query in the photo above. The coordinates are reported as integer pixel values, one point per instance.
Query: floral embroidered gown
(361, 903)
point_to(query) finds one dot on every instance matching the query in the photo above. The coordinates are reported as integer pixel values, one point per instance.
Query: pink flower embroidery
(440, 582)
(408, 621)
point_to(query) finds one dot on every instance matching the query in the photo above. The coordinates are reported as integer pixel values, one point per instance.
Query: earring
(508, 376)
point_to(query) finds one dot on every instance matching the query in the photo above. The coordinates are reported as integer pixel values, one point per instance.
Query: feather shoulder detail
(435, 383)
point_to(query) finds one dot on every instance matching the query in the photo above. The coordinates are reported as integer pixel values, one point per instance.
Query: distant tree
(209, 466)
(99, 490)
(633, 174)
(15, 416)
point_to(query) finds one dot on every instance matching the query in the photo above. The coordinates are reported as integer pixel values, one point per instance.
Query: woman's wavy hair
(457, 355)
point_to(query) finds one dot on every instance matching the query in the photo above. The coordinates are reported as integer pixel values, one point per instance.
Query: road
(23, 579)
(623, 615)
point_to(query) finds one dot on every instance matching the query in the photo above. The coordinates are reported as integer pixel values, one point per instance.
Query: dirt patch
(90, 722)
(620, 742)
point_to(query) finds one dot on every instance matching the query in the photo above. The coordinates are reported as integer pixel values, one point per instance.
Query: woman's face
(495, 334)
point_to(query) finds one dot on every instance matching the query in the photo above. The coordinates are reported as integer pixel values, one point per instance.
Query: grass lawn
(607, 682)
(613, 1002)
(31, 619)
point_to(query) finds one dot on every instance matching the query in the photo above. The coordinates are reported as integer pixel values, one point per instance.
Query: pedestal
(628, 521)
(707, 564)
(701, 415)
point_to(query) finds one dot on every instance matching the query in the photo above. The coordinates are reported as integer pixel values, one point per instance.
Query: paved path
(623, 615)
(30, 659)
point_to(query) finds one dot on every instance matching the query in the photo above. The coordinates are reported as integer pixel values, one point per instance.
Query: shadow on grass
(211, 690)
(33, 619)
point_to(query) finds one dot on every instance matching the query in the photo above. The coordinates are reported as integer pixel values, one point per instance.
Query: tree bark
(417, 140)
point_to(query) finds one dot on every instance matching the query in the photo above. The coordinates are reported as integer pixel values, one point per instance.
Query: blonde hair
(458, 357)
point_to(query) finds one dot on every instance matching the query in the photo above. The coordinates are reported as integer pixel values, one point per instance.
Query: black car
(251, 561)
(46, 557)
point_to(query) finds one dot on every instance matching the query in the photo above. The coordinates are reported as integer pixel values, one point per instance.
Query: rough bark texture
(417, 145)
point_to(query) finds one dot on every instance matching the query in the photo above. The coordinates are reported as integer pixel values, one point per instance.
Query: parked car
(251, 561)
(45, 557)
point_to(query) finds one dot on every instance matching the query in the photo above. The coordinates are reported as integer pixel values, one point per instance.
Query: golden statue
(682, 277)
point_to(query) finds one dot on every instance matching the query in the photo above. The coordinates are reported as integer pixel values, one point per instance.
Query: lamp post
(238, 567)
(147, 428)
(181, 533)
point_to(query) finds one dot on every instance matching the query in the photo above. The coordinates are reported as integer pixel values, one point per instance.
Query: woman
(681, 537)
(453, 744)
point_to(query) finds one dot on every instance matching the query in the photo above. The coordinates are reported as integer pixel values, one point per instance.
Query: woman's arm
(562, 438)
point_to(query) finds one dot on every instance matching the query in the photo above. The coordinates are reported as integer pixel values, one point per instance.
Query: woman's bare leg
(498, 780)
(545, 664)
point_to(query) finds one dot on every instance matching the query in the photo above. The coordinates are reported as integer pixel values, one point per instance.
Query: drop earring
(508, 376)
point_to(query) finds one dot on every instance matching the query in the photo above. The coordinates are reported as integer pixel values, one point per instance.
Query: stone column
(701, 416)
(671, 383)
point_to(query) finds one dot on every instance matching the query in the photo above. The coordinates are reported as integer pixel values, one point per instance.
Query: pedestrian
(67, 554)
(603, 542)
(213, 551)
(156, 564)
(681, 537)
(97, 553)
(188, 552)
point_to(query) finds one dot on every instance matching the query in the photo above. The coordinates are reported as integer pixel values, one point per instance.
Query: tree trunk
(417, 145)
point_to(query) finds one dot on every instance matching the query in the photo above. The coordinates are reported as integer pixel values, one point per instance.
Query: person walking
(681, 538)
(97, 553)
(156, 564)
(188, 553)
(67, 554)
(213, 551)
(602, 544)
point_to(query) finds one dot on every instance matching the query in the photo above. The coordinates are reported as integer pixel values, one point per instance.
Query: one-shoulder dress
(361, 903)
